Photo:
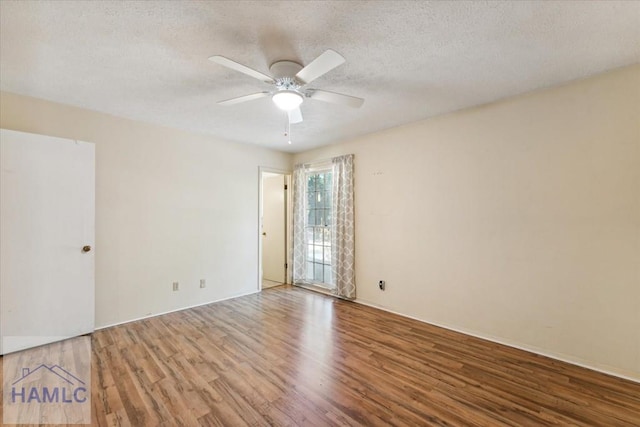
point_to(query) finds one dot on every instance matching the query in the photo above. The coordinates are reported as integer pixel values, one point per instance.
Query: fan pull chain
(287, 131)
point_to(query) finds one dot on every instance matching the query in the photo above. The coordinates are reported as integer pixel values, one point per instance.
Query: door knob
(86, 248)
(264, 234)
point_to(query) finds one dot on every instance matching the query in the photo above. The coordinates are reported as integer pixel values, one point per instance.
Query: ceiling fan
(290, 81)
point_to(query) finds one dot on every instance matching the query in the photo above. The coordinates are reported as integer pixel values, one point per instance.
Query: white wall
(517, 221)
(170, 206)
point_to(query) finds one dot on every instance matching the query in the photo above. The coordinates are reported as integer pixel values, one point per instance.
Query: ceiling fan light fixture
(287, 100)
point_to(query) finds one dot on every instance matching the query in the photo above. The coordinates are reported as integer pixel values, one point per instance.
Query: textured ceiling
(410, 60)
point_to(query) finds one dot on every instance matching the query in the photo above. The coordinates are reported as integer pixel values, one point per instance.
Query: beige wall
(517, 221)
(170, 206)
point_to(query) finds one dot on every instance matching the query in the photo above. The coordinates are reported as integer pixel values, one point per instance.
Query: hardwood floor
(288, 356)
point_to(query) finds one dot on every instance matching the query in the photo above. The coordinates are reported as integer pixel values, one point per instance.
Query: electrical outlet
(381, 285)
(176, 286)
(203, 283)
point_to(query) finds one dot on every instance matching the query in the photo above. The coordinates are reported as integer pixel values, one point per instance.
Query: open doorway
(274, 235)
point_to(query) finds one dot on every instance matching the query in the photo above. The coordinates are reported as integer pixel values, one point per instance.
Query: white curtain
(299, 239)
(342, 233)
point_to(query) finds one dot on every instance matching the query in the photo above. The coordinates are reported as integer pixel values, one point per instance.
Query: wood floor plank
(292, 357)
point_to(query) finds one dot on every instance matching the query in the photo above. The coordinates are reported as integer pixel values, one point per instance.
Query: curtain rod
(325, 160)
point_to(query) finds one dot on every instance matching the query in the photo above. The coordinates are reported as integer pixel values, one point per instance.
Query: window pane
(314, 200)
(326, 217)
(309, 252)
(311, 217)
(327, 255)
(320, 200)
(323, 218)
(319, 182)
(311, 203)
(327, 274)
(309, 275)
(326, 236)
(311, 180)
(327, 199)
(317, 253)
(317, 236)
(317, 274)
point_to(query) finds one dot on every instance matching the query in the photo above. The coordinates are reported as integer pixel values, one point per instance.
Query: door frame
(288, 224)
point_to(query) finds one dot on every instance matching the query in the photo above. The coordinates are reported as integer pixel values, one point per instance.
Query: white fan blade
(242, 68)
(324, 63)
(243, 98)
(295, 115)
(336, 98)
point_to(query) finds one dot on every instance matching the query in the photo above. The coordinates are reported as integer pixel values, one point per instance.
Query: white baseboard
(175, 310)
(530, 349)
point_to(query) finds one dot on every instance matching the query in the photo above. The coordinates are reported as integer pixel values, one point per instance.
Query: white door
(273, 228)
(47, 221)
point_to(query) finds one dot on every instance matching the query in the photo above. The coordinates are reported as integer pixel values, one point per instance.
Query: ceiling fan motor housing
(284, 74)
(287, 83)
